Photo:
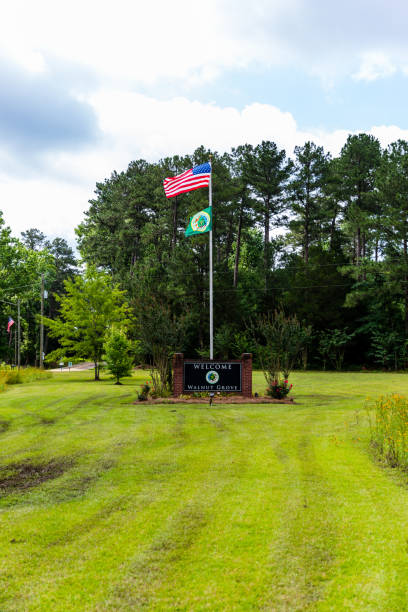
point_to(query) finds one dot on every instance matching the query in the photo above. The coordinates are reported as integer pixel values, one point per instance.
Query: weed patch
(15, 377)
(389, 432)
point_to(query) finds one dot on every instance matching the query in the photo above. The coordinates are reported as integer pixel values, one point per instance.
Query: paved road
(86, 365)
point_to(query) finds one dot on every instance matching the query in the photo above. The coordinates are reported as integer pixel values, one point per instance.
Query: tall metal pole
(18, 334)
(42, 324)
(211, 275)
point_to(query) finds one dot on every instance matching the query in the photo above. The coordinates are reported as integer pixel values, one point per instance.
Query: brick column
(246, 361)
(178, 362)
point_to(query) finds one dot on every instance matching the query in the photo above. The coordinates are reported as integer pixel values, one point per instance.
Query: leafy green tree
(332, 345)
(388, 348)
(20, 279)
(90, 306)
(279, 340)
(118, 360)
(161, 333)
(65, 268)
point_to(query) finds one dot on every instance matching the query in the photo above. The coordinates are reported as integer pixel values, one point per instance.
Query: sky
(88, 86)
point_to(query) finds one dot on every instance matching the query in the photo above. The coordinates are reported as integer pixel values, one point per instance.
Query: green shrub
(118, 360)
(144, 393)
(279, 389)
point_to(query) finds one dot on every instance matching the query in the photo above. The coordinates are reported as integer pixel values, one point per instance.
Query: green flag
(200, 223)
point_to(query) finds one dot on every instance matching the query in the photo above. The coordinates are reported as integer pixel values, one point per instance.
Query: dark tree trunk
(230, 237)
(306, 241)
(307, 225)
(175, 222)
(238, 247)
(333, 229)
(405, 288)
(266, 242)
(358, 245)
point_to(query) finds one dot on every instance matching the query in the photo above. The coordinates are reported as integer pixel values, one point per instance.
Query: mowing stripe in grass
(228, 508)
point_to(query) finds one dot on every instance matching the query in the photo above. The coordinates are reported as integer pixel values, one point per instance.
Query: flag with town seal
(200, 223)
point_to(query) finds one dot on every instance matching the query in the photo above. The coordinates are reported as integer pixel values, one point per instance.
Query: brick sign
(200, 375)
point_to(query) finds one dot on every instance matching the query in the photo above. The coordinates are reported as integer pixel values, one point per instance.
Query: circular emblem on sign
(212, 377)
(200, 221)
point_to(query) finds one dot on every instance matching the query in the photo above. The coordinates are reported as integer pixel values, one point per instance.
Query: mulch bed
(229, 399)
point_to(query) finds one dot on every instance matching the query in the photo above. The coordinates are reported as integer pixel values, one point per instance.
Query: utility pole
(42, 324)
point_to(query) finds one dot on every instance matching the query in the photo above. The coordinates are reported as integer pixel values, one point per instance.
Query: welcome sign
(214, 376)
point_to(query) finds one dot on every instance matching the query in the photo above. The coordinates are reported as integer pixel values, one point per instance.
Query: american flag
(9, 324)
(197, 177)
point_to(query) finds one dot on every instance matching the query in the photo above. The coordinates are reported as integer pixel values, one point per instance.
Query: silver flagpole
(211, 273)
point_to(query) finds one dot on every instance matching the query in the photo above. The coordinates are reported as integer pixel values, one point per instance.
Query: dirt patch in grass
(47, 420)
(16, 477)
(78, 484)
(4, 426)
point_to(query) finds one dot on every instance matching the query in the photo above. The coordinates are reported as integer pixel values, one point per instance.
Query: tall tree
(243, 203)
(90, 306)
(267, 170)
(305, 197)
(33, 239)
(359, 160)
(110, 236)
(392, 182)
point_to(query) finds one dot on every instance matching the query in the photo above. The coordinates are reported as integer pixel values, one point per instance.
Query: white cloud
(140, 126)
(374, 66)
(146, 42)
(387, 134)
(52, 206)
(127, 41)
(137, 126)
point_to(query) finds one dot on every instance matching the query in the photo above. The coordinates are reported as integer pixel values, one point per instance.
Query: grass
(110, 505)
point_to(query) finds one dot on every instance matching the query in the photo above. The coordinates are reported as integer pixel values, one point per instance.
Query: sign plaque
(222, 376)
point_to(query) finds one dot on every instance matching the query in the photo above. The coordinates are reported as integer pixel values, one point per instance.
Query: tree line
(308, 234)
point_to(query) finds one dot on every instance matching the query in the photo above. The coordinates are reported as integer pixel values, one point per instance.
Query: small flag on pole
(197, 177)
(200, 223)
(9, 324)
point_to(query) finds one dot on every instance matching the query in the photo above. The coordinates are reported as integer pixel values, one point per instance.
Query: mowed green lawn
(110, 505)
